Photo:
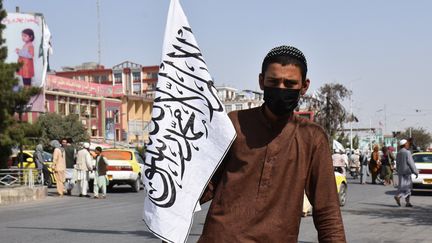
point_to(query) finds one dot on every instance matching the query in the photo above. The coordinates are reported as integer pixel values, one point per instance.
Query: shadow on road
(90, 231)
(418, 215)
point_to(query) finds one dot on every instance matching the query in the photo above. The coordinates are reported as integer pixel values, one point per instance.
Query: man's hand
(416, 175)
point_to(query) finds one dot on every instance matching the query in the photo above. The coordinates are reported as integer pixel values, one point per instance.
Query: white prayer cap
(86, 145)
(402, 142)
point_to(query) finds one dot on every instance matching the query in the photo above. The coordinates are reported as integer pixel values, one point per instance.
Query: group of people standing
(381, 165)
(72, 167)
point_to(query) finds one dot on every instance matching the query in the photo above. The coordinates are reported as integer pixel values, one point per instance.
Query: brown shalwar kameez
(258, 190)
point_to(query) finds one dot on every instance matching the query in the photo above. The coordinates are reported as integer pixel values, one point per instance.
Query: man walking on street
(83, 166)
(405, 167)
(58, 166)
(70, 156)
(100, 180)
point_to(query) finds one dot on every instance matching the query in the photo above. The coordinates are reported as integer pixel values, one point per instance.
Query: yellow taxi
(342, 186)
(28, 163)
(124, 167)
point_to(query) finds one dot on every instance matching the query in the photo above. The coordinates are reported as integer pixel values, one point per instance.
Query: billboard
(28, 41)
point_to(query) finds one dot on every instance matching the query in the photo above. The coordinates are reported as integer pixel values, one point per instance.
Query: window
(136, 76)
(62, 108)
(137, 88)
(84, 111)
(239, 106)
(116, 117)
(118, 78)
(104, 78)
(93, 111)
(139, 158)
(228, 108)
(94, 132)
(151, 86)
(73, 109)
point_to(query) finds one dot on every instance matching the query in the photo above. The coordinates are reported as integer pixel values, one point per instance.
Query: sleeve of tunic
(322, 192)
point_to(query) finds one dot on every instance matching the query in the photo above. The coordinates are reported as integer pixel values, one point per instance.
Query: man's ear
(305, 87)
(261, 81)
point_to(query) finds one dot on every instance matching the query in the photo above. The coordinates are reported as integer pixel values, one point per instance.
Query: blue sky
(381, 49)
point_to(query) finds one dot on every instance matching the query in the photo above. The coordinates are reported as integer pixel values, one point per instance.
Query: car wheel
(342, 194)
(136, 185)
(110, 187)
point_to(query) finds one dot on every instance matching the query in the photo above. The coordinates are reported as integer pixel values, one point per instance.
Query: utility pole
(351, 118)
(98, 31)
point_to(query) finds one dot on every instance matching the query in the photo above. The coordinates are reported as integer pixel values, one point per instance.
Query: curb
(22, 194)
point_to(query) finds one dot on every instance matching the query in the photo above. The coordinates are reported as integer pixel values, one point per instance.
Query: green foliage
(12, 132)
(55, 126)
(421, 137)
(329, 111)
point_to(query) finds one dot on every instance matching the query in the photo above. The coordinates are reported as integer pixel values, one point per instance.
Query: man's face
(64, 142)
(284, 77)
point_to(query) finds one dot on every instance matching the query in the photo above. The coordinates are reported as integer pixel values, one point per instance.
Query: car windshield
(117, 155)
(422, 158)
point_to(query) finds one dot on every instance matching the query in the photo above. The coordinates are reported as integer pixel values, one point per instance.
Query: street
(370, 215)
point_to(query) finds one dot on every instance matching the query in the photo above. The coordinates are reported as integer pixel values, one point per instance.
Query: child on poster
(25, 57)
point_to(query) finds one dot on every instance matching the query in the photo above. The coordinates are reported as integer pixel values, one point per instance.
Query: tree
(420, 136)
(329, 111)
(55, 126)
(12, 132)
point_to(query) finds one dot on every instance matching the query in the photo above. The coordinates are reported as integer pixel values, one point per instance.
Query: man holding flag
(191, 133)
(258, 188)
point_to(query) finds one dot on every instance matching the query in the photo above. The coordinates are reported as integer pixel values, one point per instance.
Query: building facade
(239, 100)
(114, 104)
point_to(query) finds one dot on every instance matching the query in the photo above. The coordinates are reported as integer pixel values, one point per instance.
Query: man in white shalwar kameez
(405, 167)
(83, 166)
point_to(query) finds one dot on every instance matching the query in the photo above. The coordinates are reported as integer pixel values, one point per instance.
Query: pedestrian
(70, 157)
(338, 162)
(355, 163)
(40, 163)
(58, 166)
(100, 180)
(375, 163)
(258, 189)
(83, 166)
(364, 172)
(405, 167)
(387, 161)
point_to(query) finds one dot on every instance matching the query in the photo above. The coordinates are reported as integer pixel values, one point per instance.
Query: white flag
(190, 135)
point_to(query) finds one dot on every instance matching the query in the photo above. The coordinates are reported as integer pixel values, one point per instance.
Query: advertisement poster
(28, 41)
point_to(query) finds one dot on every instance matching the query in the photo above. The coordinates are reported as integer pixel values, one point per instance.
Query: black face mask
(281, 102)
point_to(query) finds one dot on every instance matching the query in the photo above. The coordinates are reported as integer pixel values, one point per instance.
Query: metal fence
(21, 177)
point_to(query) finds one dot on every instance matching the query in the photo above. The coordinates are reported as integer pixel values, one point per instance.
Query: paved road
(369, 216)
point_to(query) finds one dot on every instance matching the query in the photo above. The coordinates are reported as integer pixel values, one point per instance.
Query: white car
(423, 162)
(124, 167)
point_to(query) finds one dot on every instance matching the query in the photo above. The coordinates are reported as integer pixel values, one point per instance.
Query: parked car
(342, 186)
(124, 167)
(28, 163)
(423, 162)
